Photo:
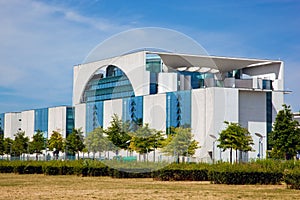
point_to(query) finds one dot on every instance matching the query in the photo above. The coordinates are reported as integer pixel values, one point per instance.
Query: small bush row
(292, 178)
(259, 172)
(82, 168)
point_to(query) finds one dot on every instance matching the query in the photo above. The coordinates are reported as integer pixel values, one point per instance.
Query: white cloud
(39, 44)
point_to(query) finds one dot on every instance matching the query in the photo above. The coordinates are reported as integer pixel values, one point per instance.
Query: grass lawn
(14, 186)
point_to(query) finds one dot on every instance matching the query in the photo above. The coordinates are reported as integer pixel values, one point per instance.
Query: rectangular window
(132, 110)
(178, 109)
(2, 115)
(41, 121)
(69, 120)
(269, 116)
(94, 115)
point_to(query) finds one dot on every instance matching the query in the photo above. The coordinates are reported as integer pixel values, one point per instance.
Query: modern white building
(296, 116)
(177, 90)
(47, 120)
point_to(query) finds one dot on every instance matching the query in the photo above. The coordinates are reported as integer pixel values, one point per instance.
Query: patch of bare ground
(74, 187)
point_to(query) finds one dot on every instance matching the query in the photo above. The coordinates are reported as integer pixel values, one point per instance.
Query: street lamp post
(260, 145)
(213, 152)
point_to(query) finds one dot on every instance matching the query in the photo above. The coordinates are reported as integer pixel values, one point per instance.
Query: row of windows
(125, 88)
(110, 85)
(100, 81)
(110, 96)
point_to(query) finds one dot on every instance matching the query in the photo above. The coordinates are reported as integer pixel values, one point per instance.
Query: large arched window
(109, 82)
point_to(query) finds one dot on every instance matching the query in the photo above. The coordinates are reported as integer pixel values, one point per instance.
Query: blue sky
(41, 40)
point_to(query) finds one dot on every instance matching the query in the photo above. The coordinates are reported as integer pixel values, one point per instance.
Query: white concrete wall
(27, 124)
(80, 117)
(110, 108)
(277, 102)
(133, 65)
(12, 124)
(252, 115)
(154, 111)
(198, 122)
(210, 108)
(167, 82)
(57, 120)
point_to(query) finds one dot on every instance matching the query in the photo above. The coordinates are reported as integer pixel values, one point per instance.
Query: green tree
(145, 140)
(2, 147)
(56, 142)
(180, 142)
(96, 141)
(38, 143)
(117, 133)
(20, 144)
(285, 136)
(74, 142)
(8, 142)
(235, 137)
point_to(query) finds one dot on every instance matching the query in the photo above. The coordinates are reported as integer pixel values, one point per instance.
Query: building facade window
(111, 83)
(94, 115)
(70, 120)
(154, 66)
(41, 121)
(132, 110)
(2, 118)
(178, 109)
(269, 116)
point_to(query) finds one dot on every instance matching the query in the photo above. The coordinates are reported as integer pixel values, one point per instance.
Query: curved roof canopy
(213, 64)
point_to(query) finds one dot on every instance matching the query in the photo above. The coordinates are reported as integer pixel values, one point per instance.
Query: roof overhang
(213, 64)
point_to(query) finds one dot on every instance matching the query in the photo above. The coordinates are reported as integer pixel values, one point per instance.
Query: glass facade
(69, 120)
(178, 109)
(111, 84)
(94, 115)
(197, 79)
(269, 116)
(154, 66)
(132, 110)
(41, 121)
(2, 118)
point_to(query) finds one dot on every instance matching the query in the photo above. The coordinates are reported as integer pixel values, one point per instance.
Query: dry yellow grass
(73, 187)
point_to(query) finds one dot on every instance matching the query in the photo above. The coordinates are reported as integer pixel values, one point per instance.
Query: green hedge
(292, 178)
(241, 174)
(258, 172)
(183, 172)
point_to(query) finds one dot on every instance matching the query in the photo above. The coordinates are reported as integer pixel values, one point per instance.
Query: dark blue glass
(94, 115)
(41, 121)
(269, 116)
(70, 120)
(112, 86)
(132, 110)
(178, 109)
(2, 118)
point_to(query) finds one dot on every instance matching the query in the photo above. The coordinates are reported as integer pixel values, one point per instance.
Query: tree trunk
(78, 155)
(230, 155)
(236, 156)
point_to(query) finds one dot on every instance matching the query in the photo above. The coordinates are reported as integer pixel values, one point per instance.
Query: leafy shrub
(292, 178)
